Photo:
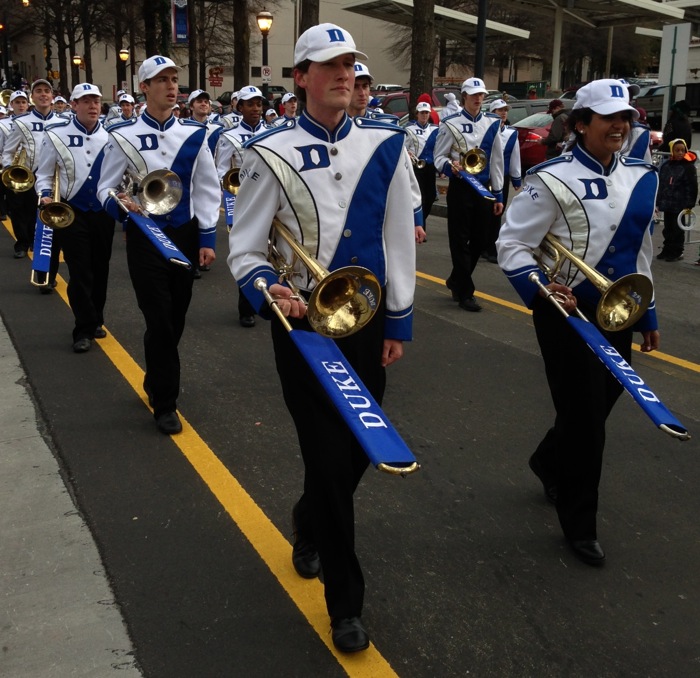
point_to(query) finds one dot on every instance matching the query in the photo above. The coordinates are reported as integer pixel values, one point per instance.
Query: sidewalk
(57, 616)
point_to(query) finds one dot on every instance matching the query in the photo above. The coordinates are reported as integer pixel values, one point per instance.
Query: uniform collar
(317, 130)
(250, 128)
(84, 129)
(152, 122)
(468, 115)
(48, 116)
(588, 161)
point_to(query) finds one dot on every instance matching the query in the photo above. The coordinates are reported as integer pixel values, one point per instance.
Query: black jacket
(678, 185)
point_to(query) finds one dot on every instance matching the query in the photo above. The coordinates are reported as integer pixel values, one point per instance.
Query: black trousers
(23, 207)
(674, 235)
(584, 393)
(495, 224)
(87, 249)
(163, 291)
(428, 189)
(468, 219)
(333, 460)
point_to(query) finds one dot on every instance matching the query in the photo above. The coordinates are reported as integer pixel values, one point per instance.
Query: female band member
(599, 204)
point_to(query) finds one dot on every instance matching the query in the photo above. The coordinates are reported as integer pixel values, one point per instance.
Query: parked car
(383, 87)
(397, 103)
(536, 127)
(523, 108)
(274, 92)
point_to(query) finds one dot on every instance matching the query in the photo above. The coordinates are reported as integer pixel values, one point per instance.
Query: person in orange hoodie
(678, 190)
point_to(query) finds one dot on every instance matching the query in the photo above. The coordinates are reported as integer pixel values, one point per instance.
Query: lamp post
(264, 20)
(123, 58)
(77, 60)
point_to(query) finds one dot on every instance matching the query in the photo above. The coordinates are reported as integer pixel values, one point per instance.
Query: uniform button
(347, 233)
(334, 151)
(353, 260)
(611, 271)
(162, 136)
(343, 204)
(88, 152)
(338, 176)
(611, 249)
(162, 152)
(608, 182)
(168, 218)
(611, 204)
(89, 178)
(613, 227)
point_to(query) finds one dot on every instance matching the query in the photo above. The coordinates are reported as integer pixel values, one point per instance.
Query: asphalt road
(467, 572)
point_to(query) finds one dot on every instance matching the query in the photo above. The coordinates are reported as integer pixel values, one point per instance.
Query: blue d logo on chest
(314, 156)
(149, 142)
(595, 189)
(75, 141)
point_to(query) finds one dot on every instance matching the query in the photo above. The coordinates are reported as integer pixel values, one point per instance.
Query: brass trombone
(56, 214)
(622, 303)
(159, 192)
(474, 160)
(18, 177)
(342, 302)
(232, 181)
(5, 97)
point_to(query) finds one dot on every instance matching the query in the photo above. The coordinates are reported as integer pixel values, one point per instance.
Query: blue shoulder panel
(549, 163)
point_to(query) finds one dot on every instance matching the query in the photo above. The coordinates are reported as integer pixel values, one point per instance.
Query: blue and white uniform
(637, 144)
(511, 156)
(426, 136)
(230, 120)
(361, 170)
(603, 215)
(229, 152)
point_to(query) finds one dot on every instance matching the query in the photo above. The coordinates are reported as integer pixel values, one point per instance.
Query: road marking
(655, 355)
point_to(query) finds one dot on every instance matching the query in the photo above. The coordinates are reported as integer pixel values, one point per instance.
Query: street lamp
(77, 60)
(123, 58)
(264, 20)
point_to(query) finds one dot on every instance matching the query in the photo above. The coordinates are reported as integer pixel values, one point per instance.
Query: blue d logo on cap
(336, 35)
(159, 61)
(617, 91)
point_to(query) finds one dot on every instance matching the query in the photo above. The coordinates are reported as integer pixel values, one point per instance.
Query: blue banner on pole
(180, 24)
(229, 204)
(360, 411)
(630, 380)
(476, 185)
(160, 241)
(43, 241)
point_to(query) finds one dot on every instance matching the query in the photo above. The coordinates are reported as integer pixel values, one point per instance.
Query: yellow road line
(656, 355)
(266, 539)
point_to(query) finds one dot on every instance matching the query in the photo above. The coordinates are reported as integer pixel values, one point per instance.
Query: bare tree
(422, 49)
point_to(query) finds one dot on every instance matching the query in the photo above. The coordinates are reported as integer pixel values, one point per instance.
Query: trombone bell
(474, 161)
(231, 181)
(18, 177)
(159, 192)
(56, 214)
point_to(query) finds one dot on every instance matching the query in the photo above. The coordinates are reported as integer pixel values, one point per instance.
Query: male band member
(468, 213)
(359, 104)
(423, 135)
(113, 112)
(230, 154)
(289, 104)
(28, 134)
(199, 102)
(60, 107)
(126, 108)
(5, 128)
(75, 149)
(156, 140)
(233, 117)
(355, 208)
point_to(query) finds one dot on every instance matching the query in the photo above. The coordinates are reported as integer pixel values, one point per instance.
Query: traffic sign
(266, 74)
(215, 81)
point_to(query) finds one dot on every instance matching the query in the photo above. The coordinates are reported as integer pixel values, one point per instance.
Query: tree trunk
(241, 44)
(201, 44)
(192, 37)
(309, 14)
(148, 10)
(422, 49)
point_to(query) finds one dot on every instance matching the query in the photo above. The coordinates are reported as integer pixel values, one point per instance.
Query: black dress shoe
(247, 320)
(349, 635)
(49, 288)
(100, 332)
(82, 345)
(169, 423)
(550, 487)
(20, 254)
(196, 274)
(304, 553)
(588, 551)
(205, 268)
(470, 304)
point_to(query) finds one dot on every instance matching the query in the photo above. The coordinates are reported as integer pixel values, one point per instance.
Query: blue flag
(160, 241)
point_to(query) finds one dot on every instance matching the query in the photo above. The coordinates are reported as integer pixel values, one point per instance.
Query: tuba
(18, 177)
(622, 303)
(342, 302)
(56, 214)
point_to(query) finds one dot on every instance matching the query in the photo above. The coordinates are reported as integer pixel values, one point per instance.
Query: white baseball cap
(154, 65)
(361, 71)
(423, 106)
(249, 92)
(120, 92)
(605, 97)
(3, 110)
(196, 94)
(41, 81)
(59, 98)
(84, 88)
(496, 104)
(323, 43)
(270, 111)
(288, 96)
(234, 95)
(128, 98)
(474, 86)
(18, 93)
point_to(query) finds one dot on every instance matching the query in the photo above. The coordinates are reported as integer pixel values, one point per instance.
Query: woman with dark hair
(599, 204)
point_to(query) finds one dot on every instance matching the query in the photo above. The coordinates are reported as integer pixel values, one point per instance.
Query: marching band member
(126, 108)
(28, 134)
(425, 134)
(199, 102)
(5, 128)
(289, 104)
(75, 149)
(249, 105)
(468, 212)
(60, 107)
(361, 96)
(232, 118)
(270, 117)
(355, 208)
(512, 173)
(153, 141)
(599, 204)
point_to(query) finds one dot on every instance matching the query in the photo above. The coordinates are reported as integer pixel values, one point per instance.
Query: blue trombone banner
(630, 380)
(361, 412)
(160, 241)
(43, 240)
(476, 185)
(229, 204)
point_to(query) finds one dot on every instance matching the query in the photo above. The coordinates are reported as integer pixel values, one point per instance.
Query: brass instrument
(159, 192)
(474, 161)
(420, 164)
(622, 302)
(18, 177)
(56, 214)
(343, 301)
(231, 181)
(5, 97)
(413, 148)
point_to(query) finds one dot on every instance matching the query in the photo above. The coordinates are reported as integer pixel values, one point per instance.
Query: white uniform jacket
(420, 140)
(461, 132)
(511, 155)
(27, 132)
(345, 195)
(79, 155)
(229, 152)
(5, 129)
(144, 145)
(637, 143)
(603, 215)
